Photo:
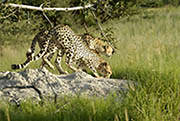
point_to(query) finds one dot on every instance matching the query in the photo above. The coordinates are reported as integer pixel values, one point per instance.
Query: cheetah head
(98, 45)
(105, 69)
(103, 47)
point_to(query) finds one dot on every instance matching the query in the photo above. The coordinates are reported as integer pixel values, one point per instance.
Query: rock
(38, 84)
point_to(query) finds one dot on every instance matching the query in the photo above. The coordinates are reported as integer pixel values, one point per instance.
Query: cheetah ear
(104, 64)
(85, 35)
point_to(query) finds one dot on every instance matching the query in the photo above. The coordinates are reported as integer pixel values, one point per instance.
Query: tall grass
(148, 53)
(148, 43)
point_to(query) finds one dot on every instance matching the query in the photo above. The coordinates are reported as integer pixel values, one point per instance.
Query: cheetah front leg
(58, 62)
(69, 62)
(82, 65)
(94, 71)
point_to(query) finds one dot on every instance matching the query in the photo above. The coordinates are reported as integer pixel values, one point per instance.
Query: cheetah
(98, 45)
(63, 40)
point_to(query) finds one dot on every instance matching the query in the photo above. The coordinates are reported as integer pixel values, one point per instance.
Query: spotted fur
(63, 40)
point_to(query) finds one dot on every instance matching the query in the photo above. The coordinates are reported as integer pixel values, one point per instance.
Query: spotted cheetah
(98, 45)
(95, 44)
(65, 41)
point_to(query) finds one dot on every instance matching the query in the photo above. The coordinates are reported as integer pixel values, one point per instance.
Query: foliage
(106, 9)
(148, 54)
(103, 9)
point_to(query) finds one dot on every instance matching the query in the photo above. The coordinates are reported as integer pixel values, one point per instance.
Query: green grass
(67, 109)
(148, 53)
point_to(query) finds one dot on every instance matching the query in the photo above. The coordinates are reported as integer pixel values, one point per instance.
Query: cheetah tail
(31, 50)
(20, 66)
(30, 56)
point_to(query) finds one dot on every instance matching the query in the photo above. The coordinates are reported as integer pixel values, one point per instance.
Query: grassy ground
(148, 53)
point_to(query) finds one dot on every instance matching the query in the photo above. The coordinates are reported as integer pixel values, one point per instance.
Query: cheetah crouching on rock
(63, 40)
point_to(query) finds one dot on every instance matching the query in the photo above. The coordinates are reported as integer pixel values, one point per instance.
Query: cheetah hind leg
(47, 61)
(58, 60)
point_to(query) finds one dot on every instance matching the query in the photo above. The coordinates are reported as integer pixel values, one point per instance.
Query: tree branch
(41, 6)
(100, 27)
(49, 9)
(4, 17)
